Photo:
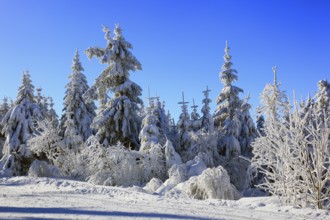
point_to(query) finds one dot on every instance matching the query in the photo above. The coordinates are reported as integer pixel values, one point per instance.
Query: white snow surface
(49, 198)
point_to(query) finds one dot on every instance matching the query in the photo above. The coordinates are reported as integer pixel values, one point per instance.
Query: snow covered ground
(47, 198)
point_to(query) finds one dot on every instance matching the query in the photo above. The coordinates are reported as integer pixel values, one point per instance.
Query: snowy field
(47, 198)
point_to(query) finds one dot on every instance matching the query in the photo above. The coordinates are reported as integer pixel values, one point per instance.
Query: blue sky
(179, 43)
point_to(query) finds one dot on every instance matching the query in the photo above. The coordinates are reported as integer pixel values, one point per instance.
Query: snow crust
(48, 198)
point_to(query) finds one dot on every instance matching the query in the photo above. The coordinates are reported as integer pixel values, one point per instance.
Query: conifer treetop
(76, 64)
(120, 61)
(183, 104)
(26, 90)
(227, 74)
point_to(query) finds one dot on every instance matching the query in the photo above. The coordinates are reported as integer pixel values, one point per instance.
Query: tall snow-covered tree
(183, 126)
(260, 121)
(162, 120)
(52, 115)
(117, 120)
(248, 130)
(76, 109)
(195, 117)
(194, 114)
(227, 116)
(207, 119)
(4, 107)
(323, 99)
(274, 102)
(26, 90)
(228, 102)
(150, 134)
(19, 125)
(42, 102)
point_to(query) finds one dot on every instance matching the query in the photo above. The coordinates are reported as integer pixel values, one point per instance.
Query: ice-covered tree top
(227, 74)
(4, 107)
(75, 108)
(184, 107)
(26, 90)
(120, 61)
(206, 101)
(194, 114)
(228, 100)
(323, 95)
(274, 102)
(78, 80)
(76, 65)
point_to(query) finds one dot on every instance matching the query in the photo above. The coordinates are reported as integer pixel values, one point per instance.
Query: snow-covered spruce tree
(260, 121)
(207, 123)
(117, 120)
(323, 99)
(295, 165)
(228, 102)
(42, 101)
(227, 114)
(19, 125)
(195, 117)
(51, 114)
(4, 107)
(248, 130)
(183, 126)
(149, 134)
(79, 112)
(274, 102)
(162, 120)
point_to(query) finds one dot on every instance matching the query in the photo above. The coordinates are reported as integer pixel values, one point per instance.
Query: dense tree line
(121, 142)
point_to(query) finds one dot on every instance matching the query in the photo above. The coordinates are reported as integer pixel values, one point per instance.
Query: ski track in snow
(47, 198)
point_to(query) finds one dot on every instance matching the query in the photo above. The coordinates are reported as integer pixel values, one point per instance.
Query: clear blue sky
(179, 43)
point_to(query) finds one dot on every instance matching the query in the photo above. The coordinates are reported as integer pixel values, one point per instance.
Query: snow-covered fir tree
(39, 97)
(117, 120)
(183, 126)
(52, 115)
(228, 102)
(260, 121)
(162, 120)
(4, 107)
(42, 102)
(195, 122)
(150, 134)
(194, 114)
(230, 111)
(248, 130)
(25, 91)
(19, 125)
(274, 102)
(76, 109)
(322, 102)
(207, 123)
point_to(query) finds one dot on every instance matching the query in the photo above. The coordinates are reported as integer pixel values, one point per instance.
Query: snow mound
(179, 173)
(43, 169)
(213, 183)
(153, 185)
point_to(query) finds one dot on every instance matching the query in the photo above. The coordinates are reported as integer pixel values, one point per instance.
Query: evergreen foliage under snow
(117, 119)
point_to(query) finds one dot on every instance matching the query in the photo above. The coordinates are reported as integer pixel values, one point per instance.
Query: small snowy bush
(118, 166)
(43, 169)
(295, 159)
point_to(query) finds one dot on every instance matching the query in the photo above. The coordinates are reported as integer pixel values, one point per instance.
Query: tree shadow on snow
(68, 211)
